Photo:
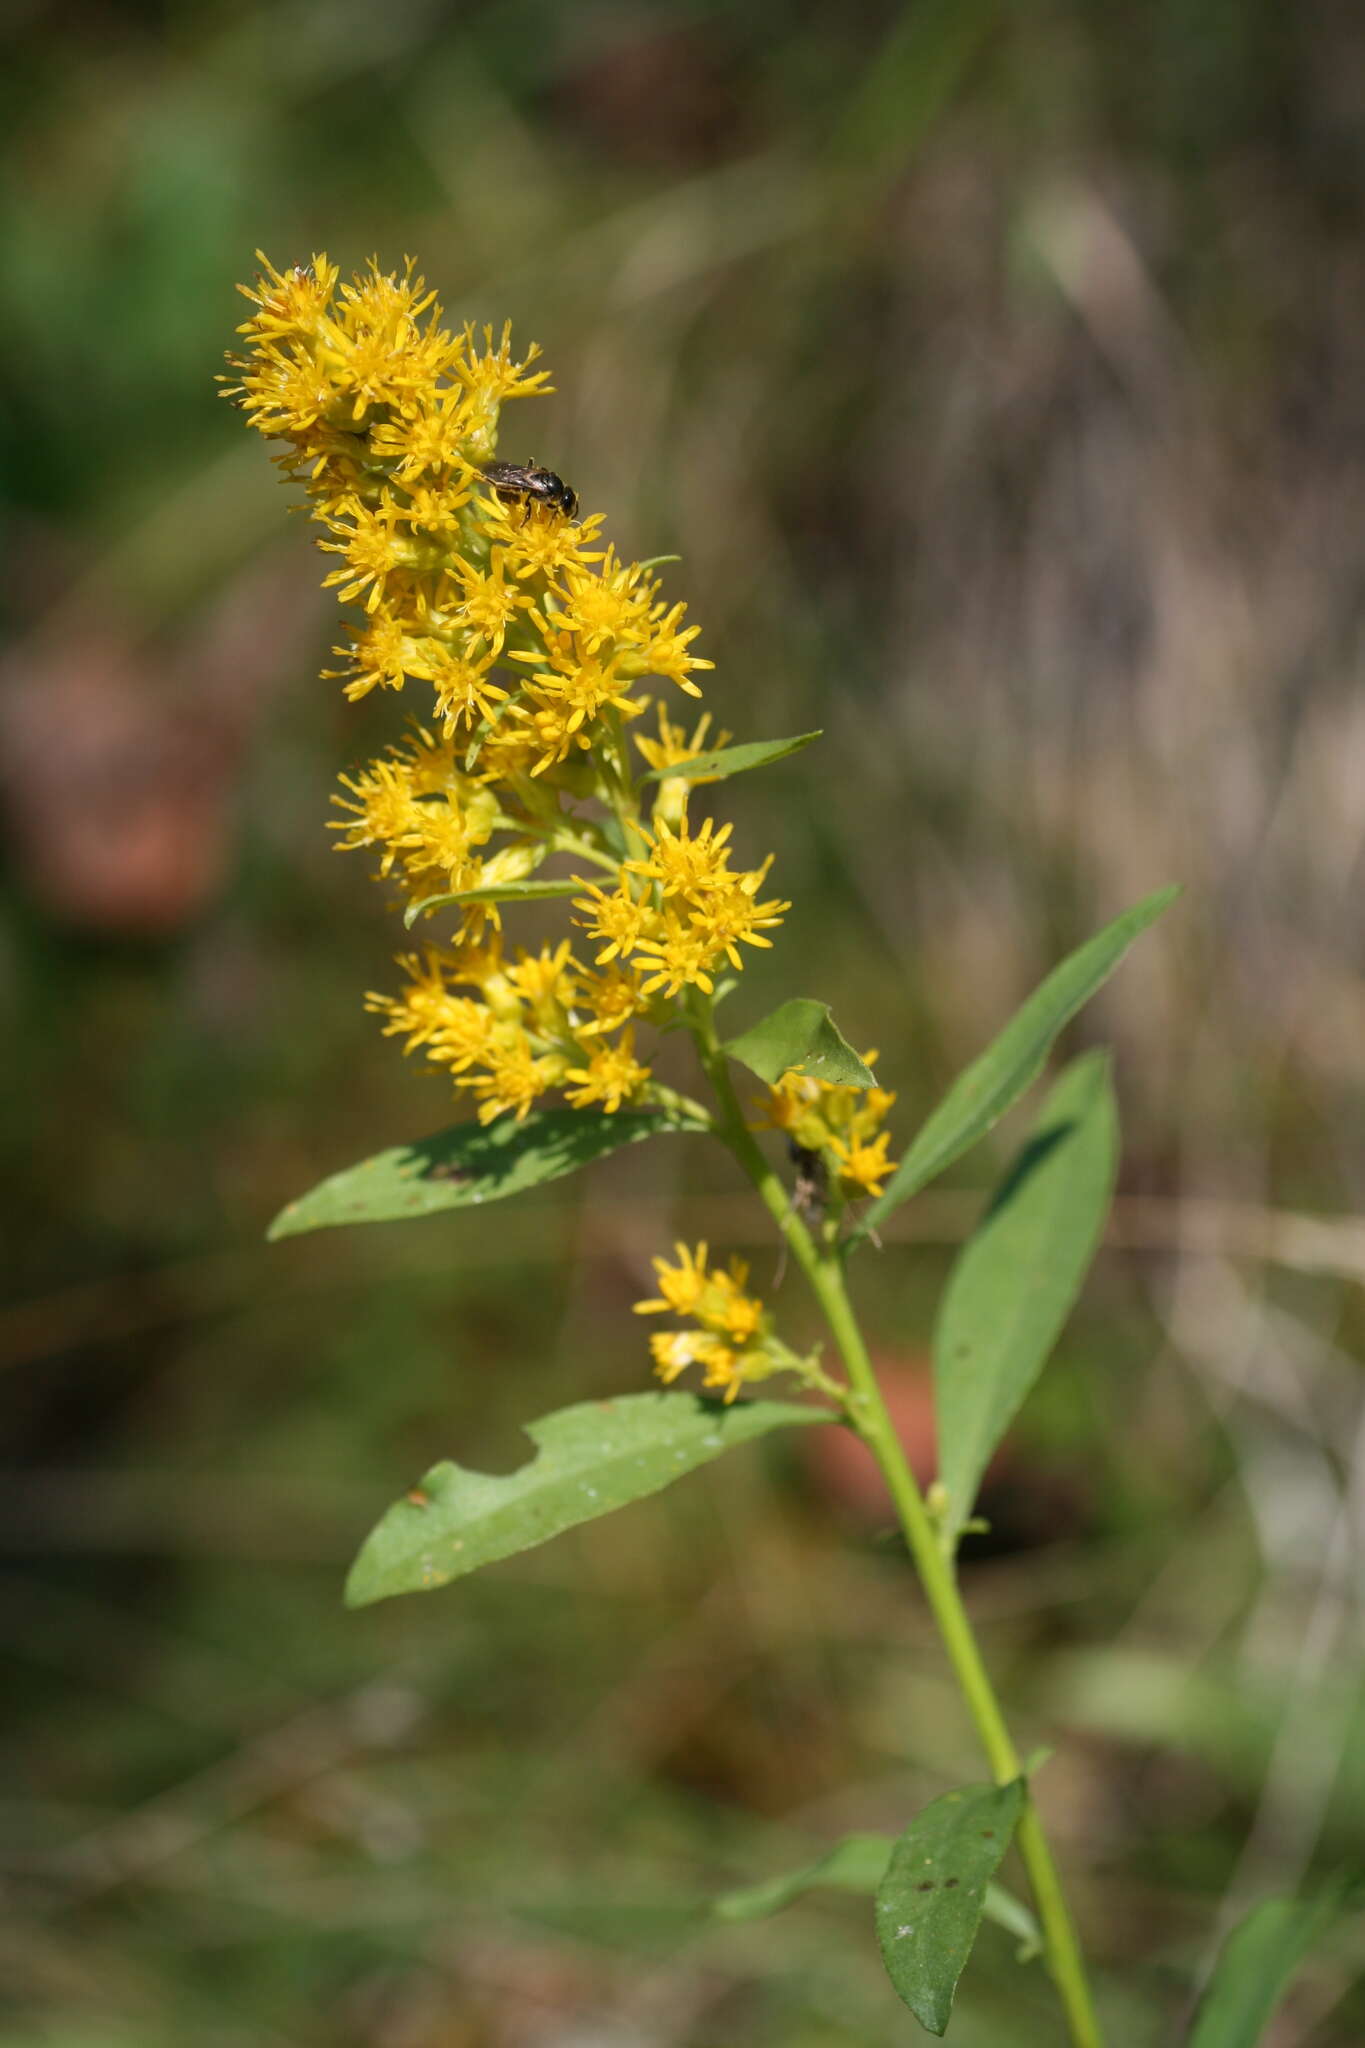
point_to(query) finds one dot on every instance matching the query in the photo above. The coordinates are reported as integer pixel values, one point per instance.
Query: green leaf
(980, 1096)
(800, 1034)
(612, 834)
(1013, 1915)
(858, 1864)
(930, 1902)
(721, 762)
(589, 1459)
(471, 1163)
(500, 892)
(1257, 1961)
(1017, 1276)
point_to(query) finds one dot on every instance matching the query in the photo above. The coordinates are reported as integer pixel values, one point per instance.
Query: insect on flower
(526, 483)
(810, 1189)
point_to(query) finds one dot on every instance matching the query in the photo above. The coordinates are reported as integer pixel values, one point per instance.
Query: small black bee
(526, 483)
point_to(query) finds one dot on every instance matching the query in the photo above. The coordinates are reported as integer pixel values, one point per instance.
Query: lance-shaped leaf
(498, 892)
(858, 1864)
(471, 1163)
(1254, 1969)
(800, 1034)
(589, 1459)
(1018, 1274)
(721, 762)
(980, 1096)
(930, 1902)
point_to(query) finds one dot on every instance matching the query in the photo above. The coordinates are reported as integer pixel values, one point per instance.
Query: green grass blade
(1255, 1967)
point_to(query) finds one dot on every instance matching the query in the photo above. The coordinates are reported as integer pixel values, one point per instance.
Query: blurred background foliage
(995, 372)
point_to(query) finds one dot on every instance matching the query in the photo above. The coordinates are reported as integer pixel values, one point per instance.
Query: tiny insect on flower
(528, 484)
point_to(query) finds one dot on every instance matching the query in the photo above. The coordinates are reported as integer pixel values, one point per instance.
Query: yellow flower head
(863, 1166)
(428, 1011)
(686, 864)
(426, 819)
(533, 638)
(546, 978)
(844, 1123)
(734, 1340)
(515, 1075)
(610, 1000)
(716, 1299)
(618, 917)
(682, 1287)
(611, 1076)
(672, 748)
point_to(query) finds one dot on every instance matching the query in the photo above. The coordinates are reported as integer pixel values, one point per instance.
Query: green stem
(867, 1412)
(683, 1106)
(567, 842)
(621, 791)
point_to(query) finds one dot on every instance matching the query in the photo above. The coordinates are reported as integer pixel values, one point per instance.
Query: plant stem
(867, 1412)
(939, 1581)
(564, 842)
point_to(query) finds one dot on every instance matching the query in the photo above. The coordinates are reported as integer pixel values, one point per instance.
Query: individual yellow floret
(665, 652)
(537, 543)
(684, 862)
(617, 916)
(428, 1009)
(863, 1165)
(673, 747)
(611, 1076)
(548, 979)
(727, 917)
(464, 684)
(610, 999)
(674, 955)
(426, 818)
(516, 1076)
(490, 376)
(485, 604)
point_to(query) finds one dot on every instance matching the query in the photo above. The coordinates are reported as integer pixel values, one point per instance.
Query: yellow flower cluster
(534, 639)
(842, 1126)
(532, 1024)
(682, 911)
(734, 1341)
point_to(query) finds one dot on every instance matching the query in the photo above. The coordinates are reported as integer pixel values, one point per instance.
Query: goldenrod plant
(546, 761)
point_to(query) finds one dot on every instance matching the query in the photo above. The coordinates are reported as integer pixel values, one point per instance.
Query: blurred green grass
(993, 372)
